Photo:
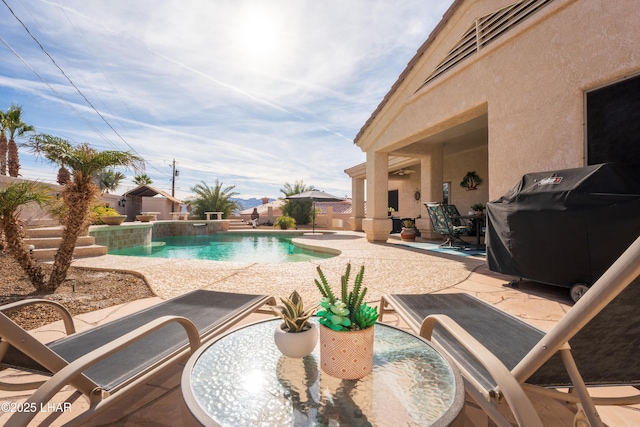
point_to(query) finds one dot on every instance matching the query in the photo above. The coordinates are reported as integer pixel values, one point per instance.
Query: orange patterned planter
(347, 354)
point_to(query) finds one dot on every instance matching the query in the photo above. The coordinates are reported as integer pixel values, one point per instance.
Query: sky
(254, 94)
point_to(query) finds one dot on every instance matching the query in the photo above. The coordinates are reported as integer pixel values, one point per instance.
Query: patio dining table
(480, 221)
(242, 379)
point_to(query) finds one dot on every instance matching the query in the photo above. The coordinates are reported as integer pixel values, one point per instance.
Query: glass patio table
(242, 379)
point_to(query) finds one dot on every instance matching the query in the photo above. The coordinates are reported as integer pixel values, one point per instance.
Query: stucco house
(501, 88)
(330, 215)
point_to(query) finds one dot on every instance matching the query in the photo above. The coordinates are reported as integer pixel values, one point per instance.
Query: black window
(393, 199)
(613, 124)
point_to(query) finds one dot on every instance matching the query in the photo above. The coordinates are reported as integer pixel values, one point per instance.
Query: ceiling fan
(403, 172)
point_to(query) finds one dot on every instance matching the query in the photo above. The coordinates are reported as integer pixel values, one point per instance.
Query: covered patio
(499, 88)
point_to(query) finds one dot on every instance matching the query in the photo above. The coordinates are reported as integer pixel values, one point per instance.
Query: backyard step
(239, 225)
(54, 242)
(48, 254)
(46, 241)
(43, 232)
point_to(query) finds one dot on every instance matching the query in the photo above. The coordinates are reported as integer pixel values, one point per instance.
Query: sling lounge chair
(105, 362)
(596, 343)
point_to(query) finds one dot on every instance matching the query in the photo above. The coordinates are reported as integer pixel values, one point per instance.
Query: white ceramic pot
(296, 344)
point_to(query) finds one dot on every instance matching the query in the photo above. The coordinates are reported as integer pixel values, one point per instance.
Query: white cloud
(254, 93)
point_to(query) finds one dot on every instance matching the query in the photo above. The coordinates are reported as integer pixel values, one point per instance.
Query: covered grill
(564, 227)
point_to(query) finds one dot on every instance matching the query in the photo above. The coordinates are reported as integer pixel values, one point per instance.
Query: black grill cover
(564, 227)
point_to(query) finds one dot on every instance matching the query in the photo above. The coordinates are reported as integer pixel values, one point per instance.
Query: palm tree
(3, 144)
(213, 199)
(17, 128)
(12, 197)
(142, 179)
(80, 193)
(300, 211)
(108, 180)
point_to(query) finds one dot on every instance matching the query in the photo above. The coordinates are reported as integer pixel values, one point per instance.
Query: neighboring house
(501, 88)
(268, 211)
(143, 199)
(330, 215)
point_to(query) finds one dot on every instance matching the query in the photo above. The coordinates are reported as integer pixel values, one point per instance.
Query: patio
(389, 268)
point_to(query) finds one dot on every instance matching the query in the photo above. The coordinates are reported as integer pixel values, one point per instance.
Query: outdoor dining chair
(443, 223)
(108, 361)
(500, 357)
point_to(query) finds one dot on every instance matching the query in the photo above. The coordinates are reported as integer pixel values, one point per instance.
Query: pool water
(247, 247)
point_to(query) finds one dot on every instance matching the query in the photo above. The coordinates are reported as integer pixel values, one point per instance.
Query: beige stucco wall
(32, 214)
(112, 200)
(408, 206)
(456, 166)
(530, 83)
(158, 204)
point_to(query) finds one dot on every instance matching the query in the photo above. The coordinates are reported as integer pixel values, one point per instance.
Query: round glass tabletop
(242, 379)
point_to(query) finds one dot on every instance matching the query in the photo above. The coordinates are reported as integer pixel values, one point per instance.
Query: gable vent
(485, 30)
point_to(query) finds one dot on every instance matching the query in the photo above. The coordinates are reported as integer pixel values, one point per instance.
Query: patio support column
(357, 203)
(377, 225)
(431, 172)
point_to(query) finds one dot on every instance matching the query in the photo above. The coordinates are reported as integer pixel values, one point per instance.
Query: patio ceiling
(460, 137)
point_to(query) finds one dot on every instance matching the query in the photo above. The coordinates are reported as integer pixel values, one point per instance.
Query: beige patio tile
(388, 268)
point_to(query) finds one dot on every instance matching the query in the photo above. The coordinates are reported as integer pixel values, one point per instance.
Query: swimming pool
(241, 247)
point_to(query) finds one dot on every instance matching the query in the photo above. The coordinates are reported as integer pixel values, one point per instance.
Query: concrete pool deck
(389, 268)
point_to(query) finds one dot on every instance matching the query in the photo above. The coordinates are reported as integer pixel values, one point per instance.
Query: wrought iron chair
(443, 223)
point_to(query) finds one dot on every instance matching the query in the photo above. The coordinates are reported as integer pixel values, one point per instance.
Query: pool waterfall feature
(200, 229)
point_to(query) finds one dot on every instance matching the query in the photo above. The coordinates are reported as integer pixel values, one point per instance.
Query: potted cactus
(295, 336)
(346, 331)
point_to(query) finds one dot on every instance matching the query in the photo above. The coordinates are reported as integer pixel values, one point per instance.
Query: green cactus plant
(349, 312)
(293, 313)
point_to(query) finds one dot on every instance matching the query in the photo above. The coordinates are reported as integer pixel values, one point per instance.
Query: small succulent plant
(293, 313)
(408, 223)
(350, 312)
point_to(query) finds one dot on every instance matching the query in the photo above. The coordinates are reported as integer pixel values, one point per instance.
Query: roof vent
(485, 30)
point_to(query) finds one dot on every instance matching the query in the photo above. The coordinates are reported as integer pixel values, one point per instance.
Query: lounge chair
(596, 343)
(107, 361)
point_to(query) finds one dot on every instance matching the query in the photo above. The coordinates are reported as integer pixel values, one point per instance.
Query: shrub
(284, 222)
(99, 211)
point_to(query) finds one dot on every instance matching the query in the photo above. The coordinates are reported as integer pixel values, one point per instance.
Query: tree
(299, 210)
(80, 194)
(213, 199)
(108, 180)
(12, 198)
(17, 128)
(3, 144)
(142, 179)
